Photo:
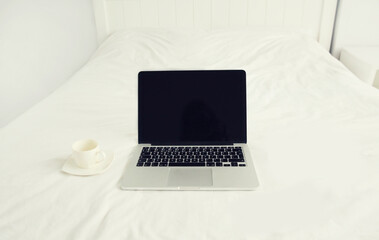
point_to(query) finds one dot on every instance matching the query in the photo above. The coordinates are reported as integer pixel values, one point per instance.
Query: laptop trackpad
(190, 177)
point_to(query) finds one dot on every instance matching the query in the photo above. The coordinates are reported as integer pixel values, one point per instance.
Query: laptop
(192, 132)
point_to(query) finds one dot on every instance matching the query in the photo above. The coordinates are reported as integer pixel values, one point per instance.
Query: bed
(312, 129)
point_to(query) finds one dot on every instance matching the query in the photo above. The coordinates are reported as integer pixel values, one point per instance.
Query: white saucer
(71, 167)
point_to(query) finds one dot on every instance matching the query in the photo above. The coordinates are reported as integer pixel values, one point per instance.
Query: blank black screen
(192, 107)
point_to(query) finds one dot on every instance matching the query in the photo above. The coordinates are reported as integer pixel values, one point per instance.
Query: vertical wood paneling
(238, 13)
(256, 12)
(115, 14)
(220, 13)
(184, 13)
(149, 13)
(166, 13)
(327, 23)
(293, 12)
(203, 14)
(275, 12)
(312, 15)
(132, 13)
(100, 12)
(316, 16)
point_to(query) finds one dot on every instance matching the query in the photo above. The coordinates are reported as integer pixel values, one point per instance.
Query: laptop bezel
(238, 72)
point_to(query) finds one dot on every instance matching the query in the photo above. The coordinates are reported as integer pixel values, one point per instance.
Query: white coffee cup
(86, 153)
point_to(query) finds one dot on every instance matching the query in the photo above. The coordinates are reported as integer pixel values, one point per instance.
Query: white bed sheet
(312, 128)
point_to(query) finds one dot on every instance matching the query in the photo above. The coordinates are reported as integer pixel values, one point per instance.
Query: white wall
(42, 43)
(357, 24)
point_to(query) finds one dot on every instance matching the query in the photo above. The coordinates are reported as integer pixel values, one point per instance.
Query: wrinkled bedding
(313, 130)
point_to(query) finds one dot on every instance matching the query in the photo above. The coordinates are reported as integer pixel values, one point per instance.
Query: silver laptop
(192, 132)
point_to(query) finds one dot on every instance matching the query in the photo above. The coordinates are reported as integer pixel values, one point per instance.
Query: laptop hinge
(211, 144)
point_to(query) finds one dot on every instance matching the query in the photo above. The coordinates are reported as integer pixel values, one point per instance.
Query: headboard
(315, 16)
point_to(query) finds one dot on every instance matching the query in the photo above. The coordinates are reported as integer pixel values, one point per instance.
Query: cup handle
(103, 156)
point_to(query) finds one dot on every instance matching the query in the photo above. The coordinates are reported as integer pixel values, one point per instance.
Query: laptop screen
(192, 107)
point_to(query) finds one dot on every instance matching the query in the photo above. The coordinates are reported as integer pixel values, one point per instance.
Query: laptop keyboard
(191, 157)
